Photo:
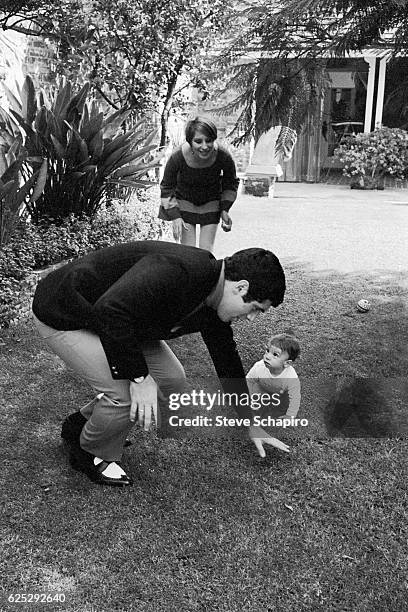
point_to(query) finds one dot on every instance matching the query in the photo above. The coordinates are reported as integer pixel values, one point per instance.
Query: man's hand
(226, 221)
(178, 225)
(143, 398)
(259, 437)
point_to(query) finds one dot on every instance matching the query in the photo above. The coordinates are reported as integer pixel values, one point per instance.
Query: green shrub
(369, 157)
(87, 152)
(16, 190)
(33, 247)
(11, 301)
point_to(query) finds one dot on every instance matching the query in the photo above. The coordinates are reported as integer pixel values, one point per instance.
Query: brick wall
(38, 61)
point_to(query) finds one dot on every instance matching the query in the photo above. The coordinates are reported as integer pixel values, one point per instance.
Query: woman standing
(199, 186)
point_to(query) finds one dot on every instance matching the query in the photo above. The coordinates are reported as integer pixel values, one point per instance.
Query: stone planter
(259, 186)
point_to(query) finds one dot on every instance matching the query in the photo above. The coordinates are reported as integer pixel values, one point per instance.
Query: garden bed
(35, 250)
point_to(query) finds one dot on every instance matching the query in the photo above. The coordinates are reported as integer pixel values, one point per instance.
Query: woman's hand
(178, 226)
(226, 221)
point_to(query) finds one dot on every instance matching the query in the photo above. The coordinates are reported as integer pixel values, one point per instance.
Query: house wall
(340, 111)
(304, 164)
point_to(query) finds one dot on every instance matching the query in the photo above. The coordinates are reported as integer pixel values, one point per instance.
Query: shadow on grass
(352, 365)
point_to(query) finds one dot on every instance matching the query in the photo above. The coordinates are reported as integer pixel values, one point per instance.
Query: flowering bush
(369, 157)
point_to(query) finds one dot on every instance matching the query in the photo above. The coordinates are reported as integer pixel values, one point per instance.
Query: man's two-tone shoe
(101, 473)
(104, 472)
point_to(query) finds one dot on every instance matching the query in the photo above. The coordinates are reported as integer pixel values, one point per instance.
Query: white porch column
(380, 93)
(251, 149)
(370, 93)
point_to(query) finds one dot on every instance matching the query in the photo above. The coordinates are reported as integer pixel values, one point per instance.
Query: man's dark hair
(207, 127)
(262, 270)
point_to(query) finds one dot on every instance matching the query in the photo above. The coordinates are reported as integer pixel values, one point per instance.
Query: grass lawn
(208, 525)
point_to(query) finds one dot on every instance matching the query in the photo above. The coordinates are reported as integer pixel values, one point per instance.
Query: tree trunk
(164, 119)
(168, 103)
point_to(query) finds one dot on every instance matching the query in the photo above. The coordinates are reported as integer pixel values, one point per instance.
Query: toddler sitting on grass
(273, 383)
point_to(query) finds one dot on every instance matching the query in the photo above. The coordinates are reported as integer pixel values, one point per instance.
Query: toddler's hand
(259, 437)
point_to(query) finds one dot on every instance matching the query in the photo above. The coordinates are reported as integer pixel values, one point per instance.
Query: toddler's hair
(288, 343)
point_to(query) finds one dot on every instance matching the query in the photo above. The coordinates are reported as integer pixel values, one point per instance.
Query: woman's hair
(262, 270)
(287, 343)
(207, 127)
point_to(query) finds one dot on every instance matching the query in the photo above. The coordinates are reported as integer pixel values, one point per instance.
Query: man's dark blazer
(136, 292)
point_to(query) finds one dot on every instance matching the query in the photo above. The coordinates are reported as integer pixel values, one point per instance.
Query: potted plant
(369, 157)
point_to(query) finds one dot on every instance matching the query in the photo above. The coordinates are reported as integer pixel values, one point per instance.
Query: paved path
(327, 227)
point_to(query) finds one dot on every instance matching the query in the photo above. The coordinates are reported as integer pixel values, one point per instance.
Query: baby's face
(275, 359)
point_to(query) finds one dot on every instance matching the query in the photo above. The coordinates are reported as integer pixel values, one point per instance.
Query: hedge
(34, 248)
